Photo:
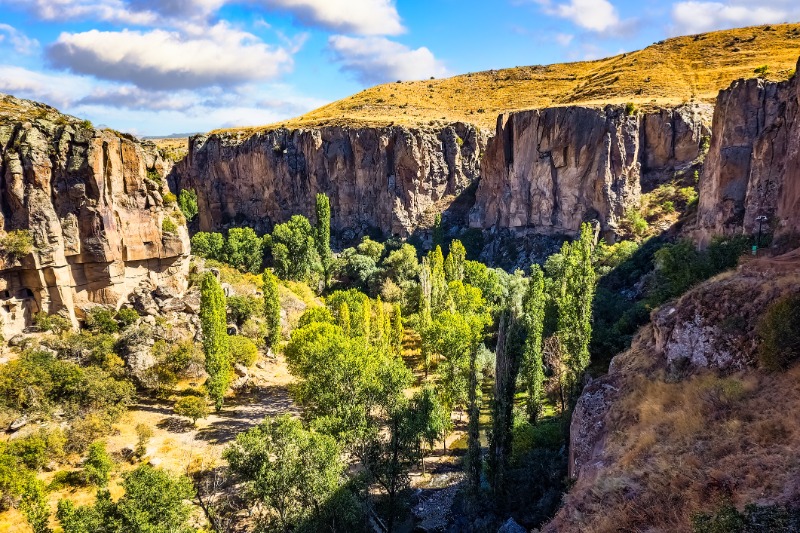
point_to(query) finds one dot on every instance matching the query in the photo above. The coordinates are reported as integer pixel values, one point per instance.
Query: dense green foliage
(294, 250)
(532, 365)
(243, 351)
(154, 502)
(287, 468)
(322, 234)
(193, 407)
(216, 344)
(98, 465)
(779, 331)
(16, 244)
(272, 307)
(242, 248)
(187, 201)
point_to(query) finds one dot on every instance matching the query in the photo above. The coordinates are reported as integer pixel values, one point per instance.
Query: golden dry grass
(671, 71)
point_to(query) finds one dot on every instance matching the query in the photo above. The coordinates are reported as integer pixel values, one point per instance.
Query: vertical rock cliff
(91, 201)
(387, 179)
(549, 170)
(753, 167)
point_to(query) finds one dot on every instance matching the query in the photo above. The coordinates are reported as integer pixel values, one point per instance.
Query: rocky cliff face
(91, 200)
(391, 179)
(753, 167)
(549, 170)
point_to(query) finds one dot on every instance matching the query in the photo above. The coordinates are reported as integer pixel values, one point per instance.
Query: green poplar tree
(366, 320)
(532, 369)
(397, 329)
(438, 280)
(272, 307)
(216, 345)
(454, 265)
(575, 305)
(322, 235)
(344, 318)
(379, 321)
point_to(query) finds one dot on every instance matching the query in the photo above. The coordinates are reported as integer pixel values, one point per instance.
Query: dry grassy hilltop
(682, 69)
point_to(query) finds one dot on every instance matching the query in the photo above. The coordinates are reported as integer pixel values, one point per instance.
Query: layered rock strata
(753, 167)
(92, 201)
(390, 179)
(547, 171)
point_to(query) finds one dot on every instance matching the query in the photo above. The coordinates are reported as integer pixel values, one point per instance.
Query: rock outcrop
(390, 179)
(92, 201)
(547, 171)
(753, 167)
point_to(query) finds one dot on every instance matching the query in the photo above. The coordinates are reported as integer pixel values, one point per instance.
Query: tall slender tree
(438, 280)
(425, 305)
(531, 367)
(379, 322)
(454, 264)
(213, 319)
(575, 305)
(473, 460)
(322, 234)
(397, 329)
(272, 307)
(366, 320)
(344, 318)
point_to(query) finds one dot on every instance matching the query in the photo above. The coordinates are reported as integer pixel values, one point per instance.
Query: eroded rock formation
(753, 167)
(389, 179)
(92, 202)
(549, 170)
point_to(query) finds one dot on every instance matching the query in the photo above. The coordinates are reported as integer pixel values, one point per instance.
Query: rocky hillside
(685, 421)
(84, 216)
(753, 167)
(389, 179)
(667, 73)
(544, 171)
(549, 170)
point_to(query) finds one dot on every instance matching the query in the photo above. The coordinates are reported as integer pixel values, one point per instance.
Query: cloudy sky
(155, 67)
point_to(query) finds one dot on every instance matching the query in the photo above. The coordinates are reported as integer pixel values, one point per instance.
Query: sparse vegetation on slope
(673, 71)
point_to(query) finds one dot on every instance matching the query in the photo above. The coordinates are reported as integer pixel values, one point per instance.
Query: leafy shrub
(55, 323)
(101, 320)
(143, 435)
(780, 334)
(16, 244)
(170, 198)
(36, 450)
(169, 226)
(762, 71)
(635, 223)
(127, 317)
(242, 308)
(668, 207)
(243, 350)
(630, 109)
(192, 407)
(98, 465)
(187, 201)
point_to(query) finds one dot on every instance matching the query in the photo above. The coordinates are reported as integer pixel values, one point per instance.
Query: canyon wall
(547, 171)
(92, 201)
(753, 167)
(390, 179)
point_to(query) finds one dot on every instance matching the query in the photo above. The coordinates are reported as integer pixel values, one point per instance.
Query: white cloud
(379, 60)
(100, 10)
(128, 97)
(164, 60)
(21, 42)
(193, 9)
(362, 17)
(564, 39)
(697, 17)
(594, 15)
(59, 90)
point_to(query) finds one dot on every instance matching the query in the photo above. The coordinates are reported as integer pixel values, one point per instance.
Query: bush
(192, 407)
(762, 71)
(630, 109)
(244, 250)
(242, 308)
(780, 334)
(98, 465)
(187, 201)
(127, 317)
(243, 350)
(101, 320)
(16, 244)
(170, 198)
(55, 323)
(169, 226)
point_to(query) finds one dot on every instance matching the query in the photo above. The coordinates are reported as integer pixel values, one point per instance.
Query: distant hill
(682, 69)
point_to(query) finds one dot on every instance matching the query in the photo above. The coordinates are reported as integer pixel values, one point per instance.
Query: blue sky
(155, 67)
